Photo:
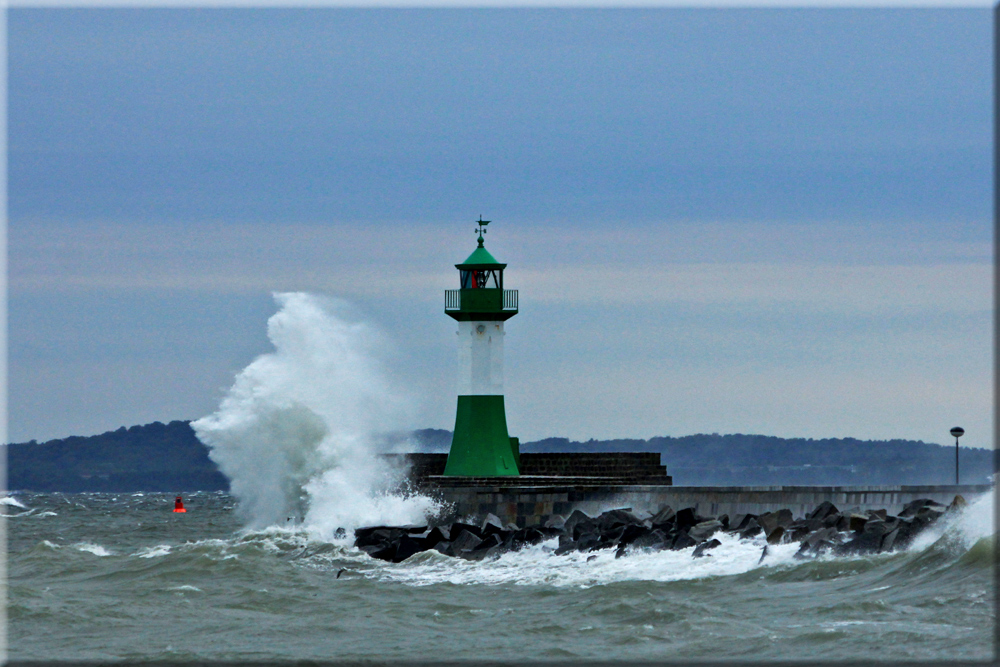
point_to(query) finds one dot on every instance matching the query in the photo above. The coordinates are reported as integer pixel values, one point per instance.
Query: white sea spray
(964, 526)
(975, 521)
(297, 434)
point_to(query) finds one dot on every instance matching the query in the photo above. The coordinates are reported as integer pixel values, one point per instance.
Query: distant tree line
(169, 457)
(153, 457)
(763, 460)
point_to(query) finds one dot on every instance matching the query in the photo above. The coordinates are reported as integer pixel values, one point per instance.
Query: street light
(958, 432)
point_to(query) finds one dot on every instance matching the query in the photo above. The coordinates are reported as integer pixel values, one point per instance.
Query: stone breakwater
(823, 530)
(534, 501)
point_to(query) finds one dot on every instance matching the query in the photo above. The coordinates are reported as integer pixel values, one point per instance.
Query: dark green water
(120, 577)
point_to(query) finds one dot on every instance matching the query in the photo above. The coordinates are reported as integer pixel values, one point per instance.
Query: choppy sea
(121, 577)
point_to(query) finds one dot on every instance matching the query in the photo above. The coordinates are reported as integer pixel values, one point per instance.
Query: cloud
(644, 398)
(416, 263)
(859, 289)
(708, 215)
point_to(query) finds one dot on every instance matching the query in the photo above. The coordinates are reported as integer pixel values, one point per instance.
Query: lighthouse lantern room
(481, 446)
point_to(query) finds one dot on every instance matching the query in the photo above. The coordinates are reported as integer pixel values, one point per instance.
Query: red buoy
(179, 505)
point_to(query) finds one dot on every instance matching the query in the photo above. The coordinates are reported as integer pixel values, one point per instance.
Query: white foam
(965, 526)
(975, 521)
(18, 515)
(8, 500)
(154, 552)
(95, 549)
(296, 433)
(538, 565)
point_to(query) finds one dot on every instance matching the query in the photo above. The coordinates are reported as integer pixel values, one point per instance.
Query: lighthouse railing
(507, 301)
(510, 299)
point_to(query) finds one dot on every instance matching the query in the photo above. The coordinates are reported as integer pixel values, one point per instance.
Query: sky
(731, 220)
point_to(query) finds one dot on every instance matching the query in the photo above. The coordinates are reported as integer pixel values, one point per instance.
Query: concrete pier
(524, 504)
(558, 483)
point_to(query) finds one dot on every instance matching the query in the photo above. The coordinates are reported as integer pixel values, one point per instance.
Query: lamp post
(958, 432)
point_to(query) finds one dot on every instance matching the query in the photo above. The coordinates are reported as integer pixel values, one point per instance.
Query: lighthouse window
(479, 279)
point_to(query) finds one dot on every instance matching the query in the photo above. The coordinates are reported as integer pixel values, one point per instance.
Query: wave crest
(297, 432)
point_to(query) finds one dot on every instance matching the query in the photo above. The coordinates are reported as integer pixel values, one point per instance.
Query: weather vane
(481, 229)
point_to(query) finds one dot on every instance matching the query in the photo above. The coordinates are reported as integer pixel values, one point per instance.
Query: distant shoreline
(170, 458)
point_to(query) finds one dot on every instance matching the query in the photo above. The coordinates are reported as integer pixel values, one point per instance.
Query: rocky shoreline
(824, 530)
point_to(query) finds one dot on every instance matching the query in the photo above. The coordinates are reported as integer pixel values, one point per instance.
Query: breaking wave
(957, 545)
(297, 434)
(961, 539)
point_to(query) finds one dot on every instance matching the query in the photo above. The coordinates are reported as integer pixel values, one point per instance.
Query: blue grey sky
(767, 221)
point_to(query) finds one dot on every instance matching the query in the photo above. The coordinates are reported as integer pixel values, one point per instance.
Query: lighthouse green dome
(480, 259)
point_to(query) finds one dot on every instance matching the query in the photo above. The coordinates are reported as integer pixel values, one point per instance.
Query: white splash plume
(297, 432)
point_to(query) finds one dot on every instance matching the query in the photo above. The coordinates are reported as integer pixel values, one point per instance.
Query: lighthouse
(481, 446)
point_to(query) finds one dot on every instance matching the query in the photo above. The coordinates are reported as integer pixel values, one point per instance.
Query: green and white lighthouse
(481, 446)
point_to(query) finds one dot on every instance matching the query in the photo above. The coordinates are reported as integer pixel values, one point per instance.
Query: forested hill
(168, 457)
(761, 460)
(152, 457)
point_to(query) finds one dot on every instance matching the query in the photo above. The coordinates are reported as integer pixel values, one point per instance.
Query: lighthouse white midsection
(480, 358)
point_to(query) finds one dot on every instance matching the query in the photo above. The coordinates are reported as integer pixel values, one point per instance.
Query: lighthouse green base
(481, 446)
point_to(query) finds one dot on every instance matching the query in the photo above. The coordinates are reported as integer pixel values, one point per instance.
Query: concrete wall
(527, 506)
(628, 468)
